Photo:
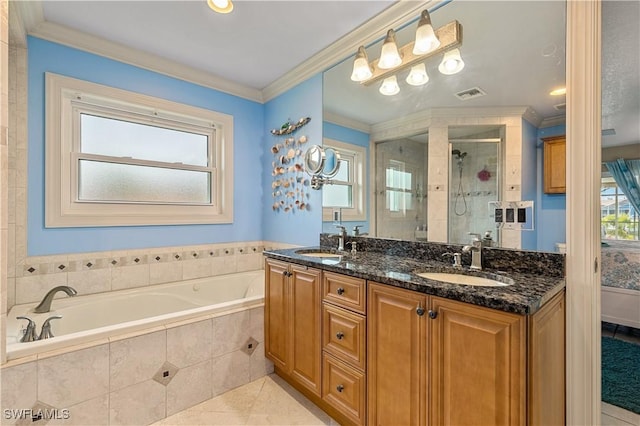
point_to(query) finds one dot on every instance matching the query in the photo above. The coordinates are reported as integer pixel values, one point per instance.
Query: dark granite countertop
(526, 295)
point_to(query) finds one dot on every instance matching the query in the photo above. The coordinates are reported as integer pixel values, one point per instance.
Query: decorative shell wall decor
(290, 186)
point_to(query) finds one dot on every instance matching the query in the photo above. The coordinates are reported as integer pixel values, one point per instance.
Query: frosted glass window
(119, 138)
(113, 182)
(337, 196)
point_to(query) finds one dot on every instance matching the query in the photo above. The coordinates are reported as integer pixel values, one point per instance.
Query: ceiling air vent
(608, 132)
(560, 107)
(474, 92)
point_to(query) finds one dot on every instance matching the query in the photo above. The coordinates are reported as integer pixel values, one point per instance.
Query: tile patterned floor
(266, 401)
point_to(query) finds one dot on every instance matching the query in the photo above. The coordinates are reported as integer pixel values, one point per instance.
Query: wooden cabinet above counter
(554, 179)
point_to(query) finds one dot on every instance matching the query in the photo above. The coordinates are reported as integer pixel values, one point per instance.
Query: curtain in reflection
(627, 175)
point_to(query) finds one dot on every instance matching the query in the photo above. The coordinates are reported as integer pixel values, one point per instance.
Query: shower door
(474, 171)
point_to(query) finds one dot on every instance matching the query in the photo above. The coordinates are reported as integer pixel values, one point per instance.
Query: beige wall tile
(188, 387)
(189, 344)
(259, 365)
(129, 277)
(196, 268)
(257, 323)
(165, 272)
(136, 360)
(139, 404)
(224, 265)
(33, 288)
(230, 332)
(89, 282)
(249, 262)
(19, 388)
(74, 377)
(229, 371)
(88, 413)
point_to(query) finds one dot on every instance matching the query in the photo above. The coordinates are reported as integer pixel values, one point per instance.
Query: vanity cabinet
(293, 322)
(554, 178)
(397, 356)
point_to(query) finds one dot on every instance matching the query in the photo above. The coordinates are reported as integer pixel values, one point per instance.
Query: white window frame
(67, 97)
(357, 181)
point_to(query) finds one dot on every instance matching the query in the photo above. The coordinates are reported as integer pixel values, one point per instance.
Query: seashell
(291, 153)
(280, 170)
(286, 184)
(275, 206)
(298, 152)
(289, 141)
(297, 167)
(302, 139)
(284, 159)
(292, 169)
(302, 206)
(275, 149)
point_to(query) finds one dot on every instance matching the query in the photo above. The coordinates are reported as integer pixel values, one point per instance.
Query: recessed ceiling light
(221, 6)
(559, 92)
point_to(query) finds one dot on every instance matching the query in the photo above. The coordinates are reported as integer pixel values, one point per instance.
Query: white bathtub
(98, 316)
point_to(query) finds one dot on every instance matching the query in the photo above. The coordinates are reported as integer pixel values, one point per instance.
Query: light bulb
(220, 6)
(451, 63)
(389, 57)
(426, 40)
(390, 86)
(361, 68)
(418, 75)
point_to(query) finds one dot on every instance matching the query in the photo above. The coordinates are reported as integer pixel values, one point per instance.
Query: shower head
(459, 155)
(456, 152)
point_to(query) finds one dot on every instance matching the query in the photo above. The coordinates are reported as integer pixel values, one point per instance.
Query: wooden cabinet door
(554, 165)
(397, 356)
(306, 320)
(477, 365)
(276, 313)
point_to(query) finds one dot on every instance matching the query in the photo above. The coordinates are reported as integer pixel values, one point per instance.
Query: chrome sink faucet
(342, 236)
(476, 251)
(45, 305)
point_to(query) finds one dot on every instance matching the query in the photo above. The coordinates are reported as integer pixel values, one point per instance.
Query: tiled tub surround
(140, 378)
(87, 318)
(537, 276)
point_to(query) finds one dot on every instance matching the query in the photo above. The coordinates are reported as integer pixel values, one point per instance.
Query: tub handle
(46, 328)
(30, 332)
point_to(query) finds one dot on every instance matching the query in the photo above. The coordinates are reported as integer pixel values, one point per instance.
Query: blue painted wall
(353, 137)
(299, 227)
(44, 56)
(551, 208)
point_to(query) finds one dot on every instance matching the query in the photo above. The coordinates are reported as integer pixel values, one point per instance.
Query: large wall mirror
(438, 153)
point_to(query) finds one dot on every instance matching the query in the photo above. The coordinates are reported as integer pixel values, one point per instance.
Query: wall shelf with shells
(290, 185)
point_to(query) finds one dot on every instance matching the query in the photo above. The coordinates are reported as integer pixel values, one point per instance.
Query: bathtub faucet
(45, 305)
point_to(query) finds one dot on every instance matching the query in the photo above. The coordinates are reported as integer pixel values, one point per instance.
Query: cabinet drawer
(344, 335)
(343, 387)
(344, 291)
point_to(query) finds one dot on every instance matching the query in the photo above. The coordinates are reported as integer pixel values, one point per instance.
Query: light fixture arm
(450, 36)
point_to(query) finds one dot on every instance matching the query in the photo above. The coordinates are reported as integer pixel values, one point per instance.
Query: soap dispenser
(487, 241)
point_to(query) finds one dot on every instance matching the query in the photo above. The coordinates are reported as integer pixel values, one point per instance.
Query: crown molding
(392, 17)
(116, 51)
(343, 121)
(24, 16)
(556, 120)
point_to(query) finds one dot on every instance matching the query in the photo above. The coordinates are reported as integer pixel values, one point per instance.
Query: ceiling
(513, 50)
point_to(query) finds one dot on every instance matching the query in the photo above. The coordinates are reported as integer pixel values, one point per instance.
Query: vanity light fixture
(361, 68)
(390, 86)
(389, 57)
(426, 39)
(393, 59)
(452, 62)
(418, 75)
(559, 92)
(221, 6)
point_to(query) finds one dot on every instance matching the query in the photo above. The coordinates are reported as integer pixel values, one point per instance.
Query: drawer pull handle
(339, 335)
(340, 291)
(420, 311)
(433, 314)
(339, 388)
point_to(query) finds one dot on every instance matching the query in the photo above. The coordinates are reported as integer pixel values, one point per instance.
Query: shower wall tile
(137, 359)
(74, 377)
(189, 387)
(139, 404)
(189, 344)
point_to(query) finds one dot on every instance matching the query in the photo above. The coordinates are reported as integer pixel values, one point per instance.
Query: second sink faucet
(342, 236)
(476, 251)
(45, 305)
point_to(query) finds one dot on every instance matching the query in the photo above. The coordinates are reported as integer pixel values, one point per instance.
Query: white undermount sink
(319, 254)
(463, 279)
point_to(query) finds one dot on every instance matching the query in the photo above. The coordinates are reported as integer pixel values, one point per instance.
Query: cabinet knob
(339, 388)
(284, 273)
(433, 314)
(340, 291)
(420, 311)
(339, 335)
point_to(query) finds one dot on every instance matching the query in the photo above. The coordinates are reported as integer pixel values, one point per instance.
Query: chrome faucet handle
(457, 259)
(356, 230)
(476, 236)
(46, 328)
(29, 332)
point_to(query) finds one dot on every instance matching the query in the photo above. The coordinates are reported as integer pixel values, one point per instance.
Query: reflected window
(398, 182)
(348, 186)
(618, 219)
